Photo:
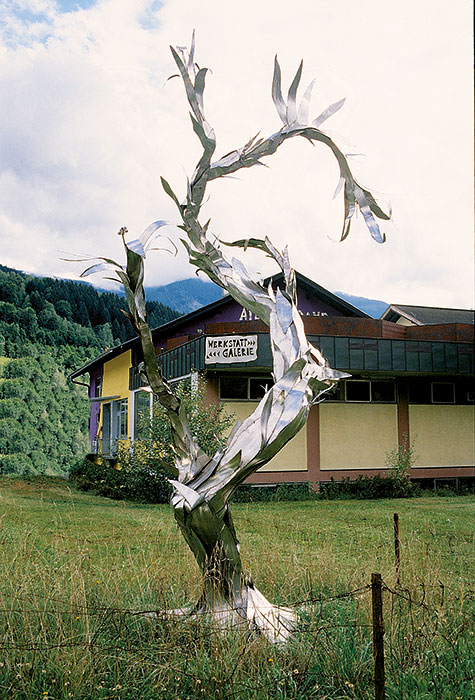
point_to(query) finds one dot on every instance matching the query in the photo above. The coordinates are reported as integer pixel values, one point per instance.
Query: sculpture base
(276, 623)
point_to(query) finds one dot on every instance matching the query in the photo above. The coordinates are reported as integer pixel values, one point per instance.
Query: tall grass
(79, 571)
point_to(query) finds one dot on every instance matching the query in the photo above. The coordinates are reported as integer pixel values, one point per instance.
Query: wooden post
(397, 550)
(378, 636)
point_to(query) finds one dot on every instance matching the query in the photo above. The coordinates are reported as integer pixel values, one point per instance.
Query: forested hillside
(48, 328)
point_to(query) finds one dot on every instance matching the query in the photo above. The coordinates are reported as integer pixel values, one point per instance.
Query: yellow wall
(293, 457)
(115, 381)
(443, 435)
(356, 436)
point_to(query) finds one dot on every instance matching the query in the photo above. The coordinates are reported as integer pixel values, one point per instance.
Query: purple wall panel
(96, 379)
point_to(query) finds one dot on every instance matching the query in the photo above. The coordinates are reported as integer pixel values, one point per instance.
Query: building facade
(412, 383)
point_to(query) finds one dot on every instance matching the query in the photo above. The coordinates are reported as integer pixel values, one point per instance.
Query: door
(106, 428)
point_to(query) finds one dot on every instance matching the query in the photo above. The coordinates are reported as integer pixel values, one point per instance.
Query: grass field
(77, 567)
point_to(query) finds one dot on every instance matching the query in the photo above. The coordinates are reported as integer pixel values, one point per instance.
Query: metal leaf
(302, 113)
(200, 86)
(191, 58)
(191, 497)
(374, 206)
(277, 93)
(150, 230)
(189, 87)
(284, 310)
(137, 247)
(341, 182)
(169, 191)
(372, 224)
(291, 112)
(98, 267)
(350, 208)
(328, 112)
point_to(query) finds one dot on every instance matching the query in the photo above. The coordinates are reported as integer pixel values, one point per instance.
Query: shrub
(369, 487)
(123, 478)
(245, 493)
(399, 462)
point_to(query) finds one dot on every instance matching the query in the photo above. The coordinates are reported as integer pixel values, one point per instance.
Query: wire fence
(376, 641)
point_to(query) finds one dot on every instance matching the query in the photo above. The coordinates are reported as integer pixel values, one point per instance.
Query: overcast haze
(89, 122)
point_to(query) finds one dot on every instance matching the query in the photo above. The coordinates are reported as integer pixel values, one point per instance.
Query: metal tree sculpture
(204, 483)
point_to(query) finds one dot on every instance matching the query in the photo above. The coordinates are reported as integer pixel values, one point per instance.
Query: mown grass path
(76, 567)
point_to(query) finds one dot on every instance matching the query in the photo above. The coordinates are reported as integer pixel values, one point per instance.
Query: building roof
(427, 315)
(172, 327)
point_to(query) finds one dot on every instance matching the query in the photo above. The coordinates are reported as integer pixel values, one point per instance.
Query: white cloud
(89, 123)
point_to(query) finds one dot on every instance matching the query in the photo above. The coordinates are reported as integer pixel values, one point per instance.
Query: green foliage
(21, 367)
(368, 487)
(140, 473)
(208, 424)
(59, 312)
(130, 477)
(245, 493)
(19, 464)
(49, 328)
(13, 408)
(43, 419)
(18, 388)
(400, 460)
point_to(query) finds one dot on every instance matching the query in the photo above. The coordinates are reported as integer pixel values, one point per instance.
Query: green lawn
(78, 566)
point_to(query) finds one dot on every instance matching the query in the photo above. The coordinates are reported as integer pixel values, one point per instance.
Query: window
(427, 392)
(258, 387)
(443, 392)
(239, 388)
(98, 387)
(119, 417)
(366, 391)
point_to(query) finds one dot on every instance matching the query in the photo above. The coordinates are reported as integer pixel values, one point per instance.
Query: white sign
(231, 348)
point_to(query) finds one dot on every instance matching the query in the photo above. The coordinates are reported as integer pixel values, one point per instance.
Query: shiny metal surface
(202, 483)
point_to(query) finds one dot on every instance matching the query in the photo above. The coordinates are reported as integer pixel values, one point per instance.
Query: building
(412, 382)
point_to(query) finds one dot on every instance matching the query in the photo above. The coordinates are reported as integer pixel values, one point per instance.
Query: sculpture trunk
(215, 547)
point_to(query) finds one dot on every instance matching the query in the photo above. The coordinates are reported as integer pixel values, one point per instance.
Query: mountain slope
(48, 328)
(185, 296)
(373, 307)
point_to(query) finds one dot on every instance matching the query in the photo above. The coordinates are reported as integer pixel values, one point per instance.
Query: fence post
(397, 550)
(378, 636)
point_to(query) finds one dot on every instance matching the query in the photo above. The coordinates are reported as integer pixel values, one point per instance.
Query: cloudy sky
(89, 122)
